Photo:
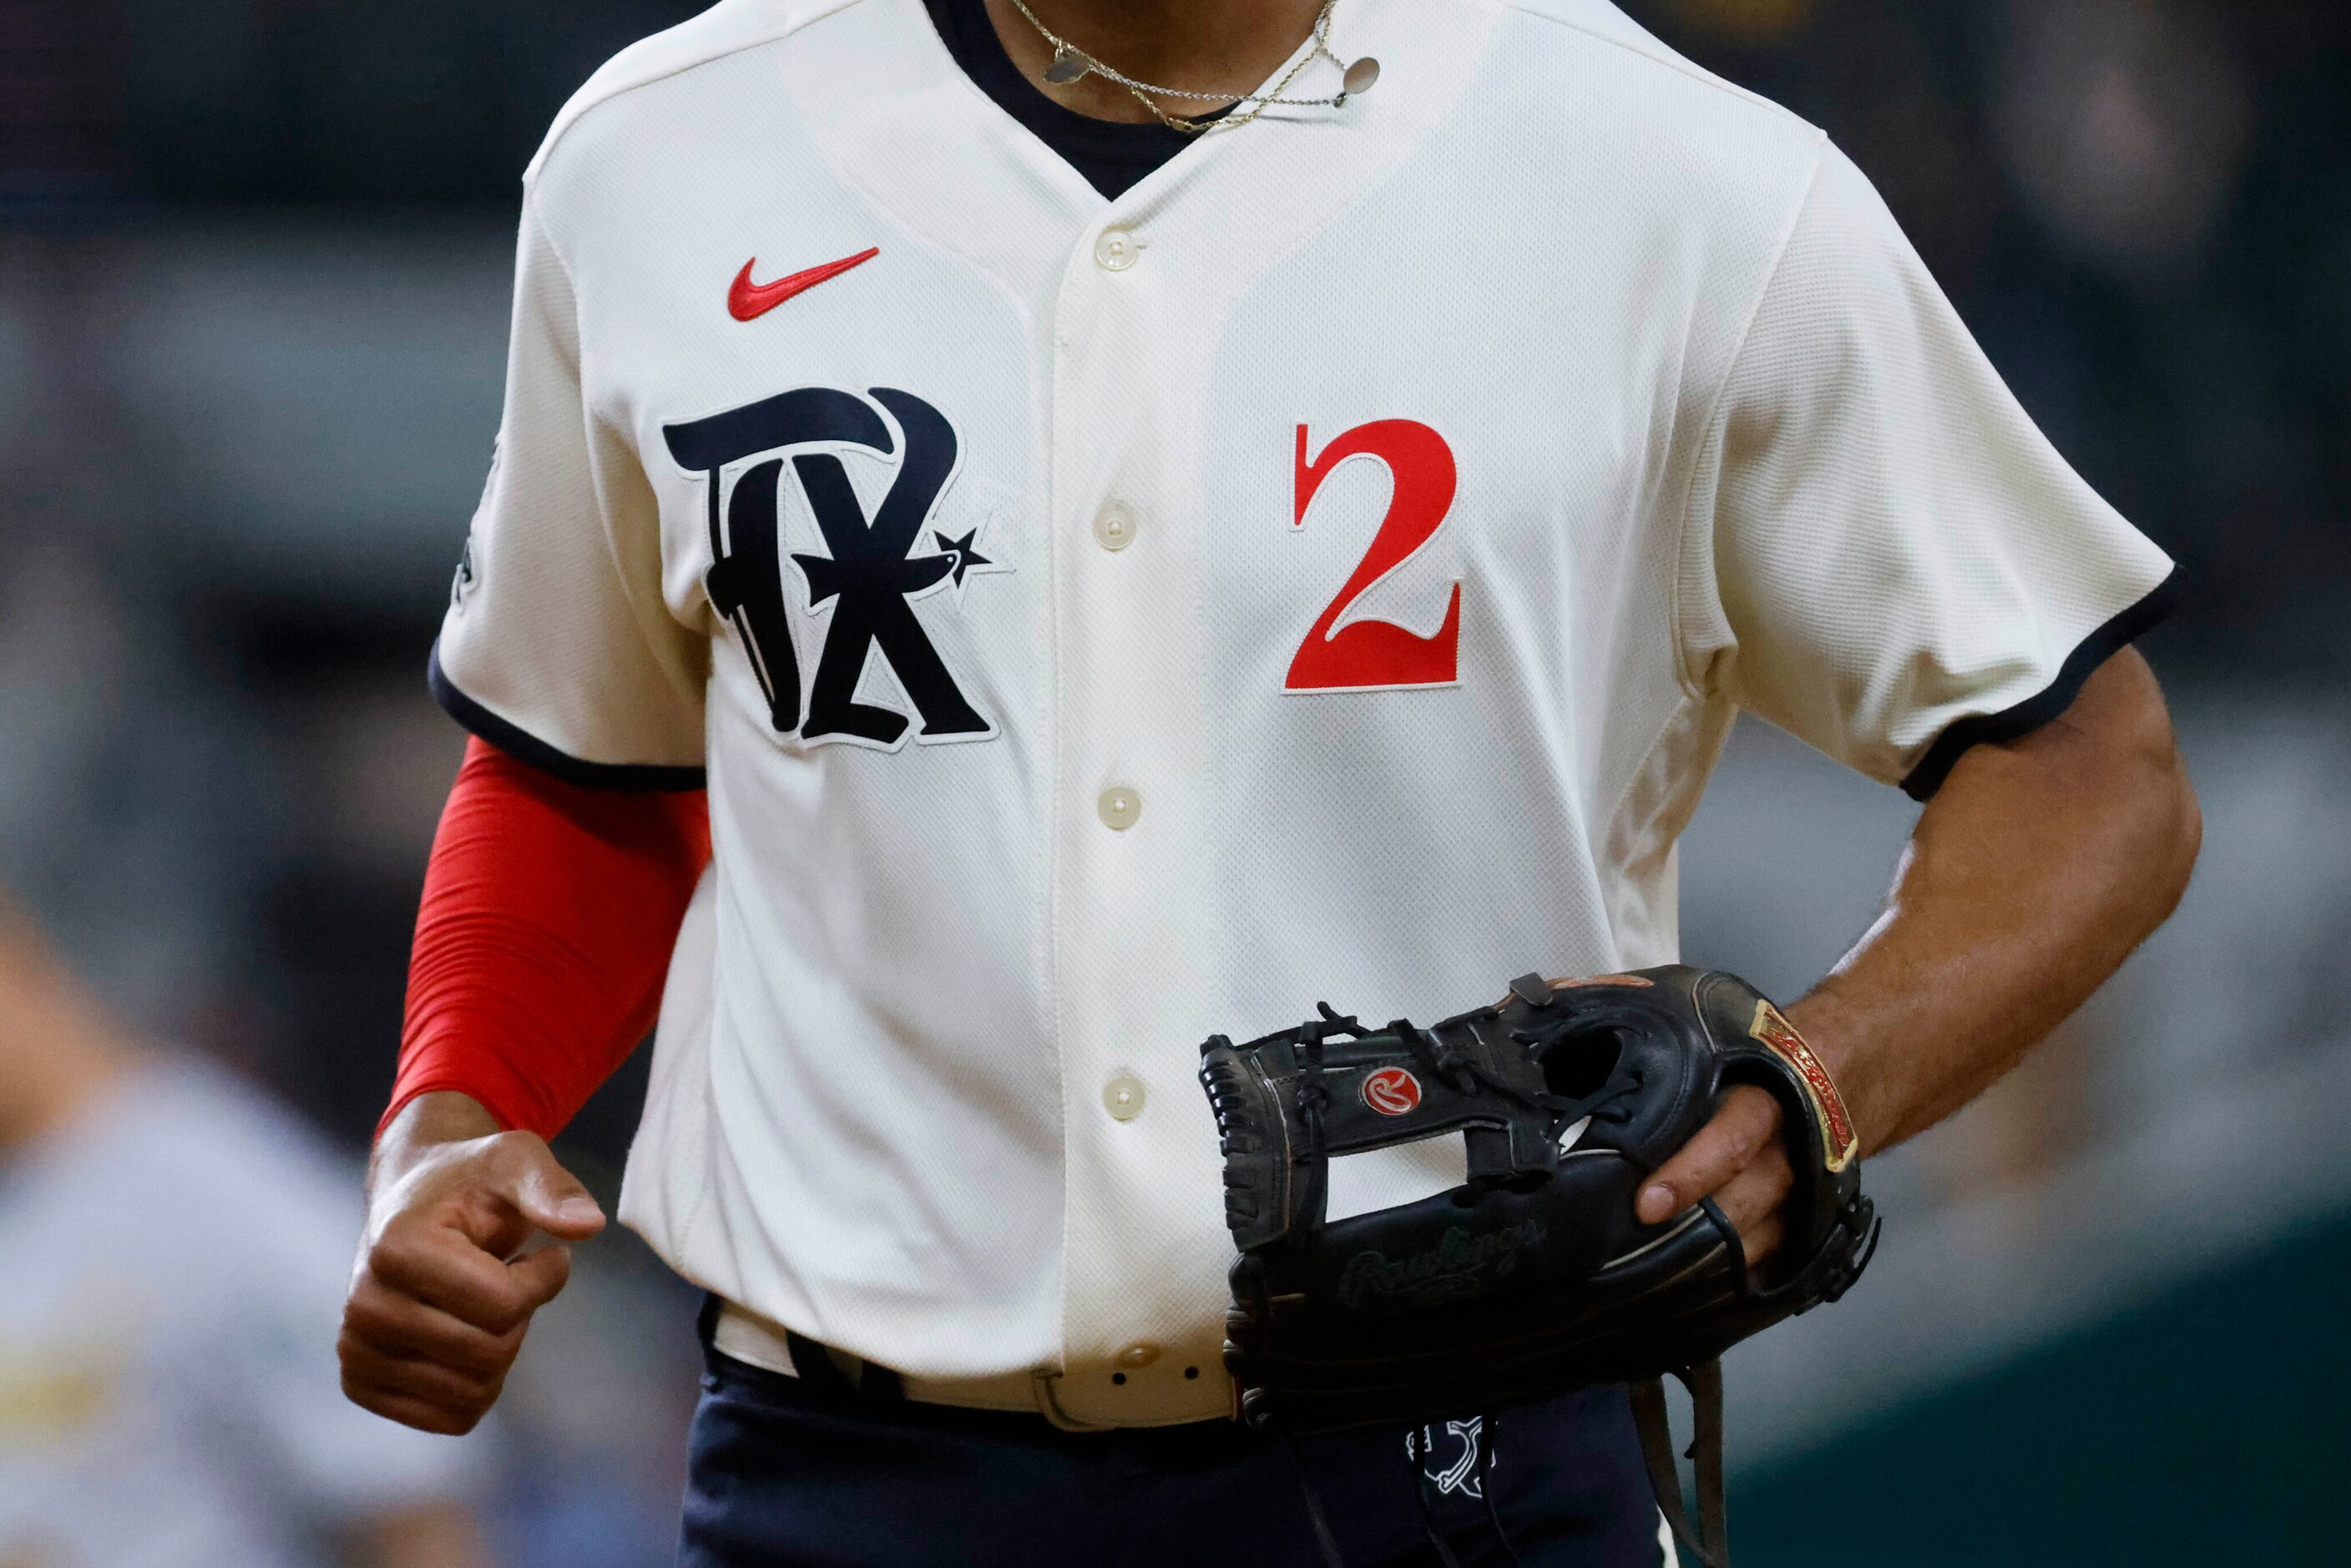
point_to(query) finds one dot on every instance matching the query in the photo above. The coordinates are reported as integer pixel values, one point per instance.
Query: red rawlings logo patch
(1392, 1091)
(1780, 1036)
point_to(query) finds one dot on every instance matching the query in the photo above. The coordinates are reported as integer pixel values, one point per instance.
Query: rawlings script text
(1457, 1268)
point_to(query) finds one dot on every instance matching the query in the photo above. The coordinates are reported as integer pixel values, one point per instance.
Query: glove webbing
(1707, 1543)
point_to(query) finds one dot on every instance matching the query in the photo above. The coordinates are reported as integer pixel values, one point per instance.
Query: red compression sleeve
(548, 915)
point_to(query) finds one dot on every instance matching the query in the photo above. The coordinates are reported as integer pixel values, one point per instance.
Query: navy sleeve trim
(526, 748)
(2035, 711)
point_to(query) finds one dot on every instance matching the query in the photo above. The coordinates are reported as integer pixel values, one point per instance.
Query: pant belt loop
(820, 1368)
(816, 1368)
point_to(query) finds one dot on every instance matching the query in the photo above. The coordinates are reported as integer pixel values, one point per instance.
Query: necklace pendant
(1068, 66)
(1360, 76)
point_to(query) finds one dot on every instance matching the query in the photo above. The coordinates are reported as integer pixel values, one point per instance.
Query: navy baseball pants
(785, 1475)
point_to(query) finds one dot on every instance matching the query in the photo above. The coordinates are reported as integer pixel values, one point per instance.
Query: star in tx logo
(963, 555)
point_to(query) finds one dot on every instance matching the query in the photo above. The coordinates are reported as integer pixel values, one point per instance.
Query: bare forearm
(2033, 873)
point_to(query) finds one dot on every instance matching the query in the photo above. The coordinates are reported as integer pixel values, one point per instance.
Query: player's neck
(1207, 46)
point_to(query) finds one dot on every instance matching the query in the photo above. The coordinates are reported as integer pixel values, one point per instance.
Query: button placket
(1129, 713)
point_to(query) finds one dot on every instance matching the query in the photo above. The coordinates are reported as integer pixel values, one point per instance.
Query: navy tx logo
(869, 576)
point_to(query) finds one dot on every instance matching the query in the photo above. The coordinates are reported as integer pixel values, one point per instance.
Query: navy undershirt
(1111, 154)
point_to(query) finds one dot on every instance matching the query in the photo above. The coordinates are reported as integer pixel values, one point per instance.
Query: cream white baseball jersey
(1327, 571)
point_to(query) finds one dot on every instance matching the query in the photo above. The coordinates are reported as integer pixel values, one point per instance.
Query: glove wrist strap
(1708, 1543)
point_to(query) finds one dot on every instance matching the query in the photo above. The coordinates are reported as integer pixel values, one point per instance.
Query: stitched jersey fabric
(1328, 569)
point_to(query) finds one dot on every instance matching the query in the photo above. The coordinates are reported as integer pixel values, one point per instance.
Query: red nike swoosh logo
(748, 301)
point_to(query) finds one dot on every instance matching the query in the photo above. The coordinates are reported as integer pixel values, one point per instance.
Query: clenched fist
(444, 1288)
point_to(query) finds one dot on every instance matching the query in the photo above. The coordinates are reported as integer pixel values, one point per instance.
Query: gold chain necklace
(1072, 64)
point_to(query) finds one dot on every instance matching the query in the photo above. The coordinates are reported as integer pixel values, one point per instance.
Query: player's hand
(1738, 1159)
(443, 1287)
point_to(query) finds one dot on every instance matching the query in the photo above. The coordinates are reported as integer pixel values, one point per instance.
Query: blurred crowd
(253, 259)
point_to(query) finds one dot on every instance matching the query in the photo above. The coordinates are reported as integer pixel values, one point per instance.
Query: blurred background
(254, 269)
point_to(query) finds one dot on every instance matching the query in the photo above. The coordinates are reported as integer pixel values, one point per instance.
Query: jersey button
(1115, 527)
(1115, 250)
(1119, 807)
(1123, 1097)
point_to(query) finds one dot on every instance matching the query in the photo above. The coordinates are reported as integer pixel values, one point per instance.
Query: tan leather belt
(766, 1344)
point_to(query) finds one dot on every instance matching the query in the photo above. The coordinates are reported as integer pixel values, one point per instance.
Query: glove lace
(1612, 1101)
(1313, 1098)
(1457, 1065)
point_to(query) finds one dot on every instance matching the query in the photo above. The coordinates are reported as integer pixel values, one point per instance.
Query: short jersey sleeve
(1882, 553)
(557, 645)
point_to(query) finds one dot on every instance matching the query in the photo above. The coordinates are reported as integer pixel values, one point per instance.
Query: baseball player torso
(1104, 622)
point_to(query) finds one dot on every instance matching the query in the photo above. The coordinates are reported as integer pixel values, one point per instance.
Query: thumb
(553, 1199)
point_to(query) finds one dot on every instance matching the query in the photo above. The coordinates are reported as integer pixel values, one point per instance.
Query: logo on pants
(1447, 1456)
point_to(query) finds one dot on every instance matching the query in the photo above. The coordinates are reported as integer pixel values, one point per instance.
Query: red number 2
(1375, 655)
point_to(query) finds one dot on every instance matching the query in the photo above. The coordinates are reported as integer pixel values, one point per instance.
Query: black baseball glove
(1534, 1278)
